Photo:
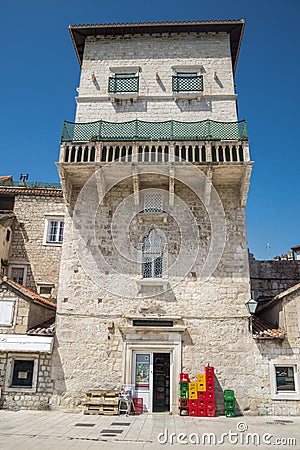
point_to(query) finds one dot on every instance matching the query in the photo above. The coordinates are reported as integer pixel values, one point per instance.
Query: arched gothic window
(153, 245)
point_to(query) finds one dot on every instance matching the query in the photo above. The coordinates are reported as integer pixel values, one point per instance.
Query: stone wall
(18, 398)
(87, 356)
(157, 56)
(269, 278)
(28, 247)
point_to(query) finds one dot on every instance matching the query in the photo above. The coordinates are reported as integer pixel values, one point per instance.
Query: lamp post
(251, 306)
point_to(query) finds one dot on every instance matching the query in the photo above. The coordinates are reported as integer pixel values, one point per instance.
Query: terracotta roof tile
(263, 329)
(6, 178)
(31, 191)
(27, 292)
(45, 328)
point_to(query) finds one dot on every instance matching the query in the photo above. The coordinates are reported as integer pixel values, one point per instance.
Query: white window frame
(11, 318)
(48, 220)
(45, 285)
(284, 395)
(18, 266)
(10, 370)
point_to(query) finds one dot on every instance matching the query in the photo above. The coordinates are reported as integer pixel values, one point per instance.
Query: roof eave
(80, 32)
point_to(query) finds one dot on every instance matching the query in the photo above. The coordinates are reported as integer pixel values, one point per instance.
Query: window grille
(153, 255)
(185, 82)
(123, 83)
(153, 203)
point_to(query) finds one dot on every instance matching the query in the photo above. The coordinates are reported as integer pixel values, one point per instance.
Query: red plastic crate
(184, 377)
(211, 412)
(210, 396)
(183, 403)
(201, 396)
(202, 411)
(210, 404)
(209, 370)
(210, 387)
(193, 403)
(193, 411)
(138, 405)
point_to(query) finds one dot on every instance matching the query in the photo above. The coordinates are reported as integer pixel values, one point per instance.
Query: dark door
(161, 382)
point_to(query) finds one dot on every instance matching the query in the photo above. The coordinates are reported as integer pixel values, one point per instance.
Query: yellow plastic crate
(200, 377)
(193, 395)
(201, 386)
(193, 386)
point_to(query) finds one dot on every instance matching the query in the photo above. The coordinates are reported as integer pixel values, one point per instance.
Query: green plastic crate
(229, 394)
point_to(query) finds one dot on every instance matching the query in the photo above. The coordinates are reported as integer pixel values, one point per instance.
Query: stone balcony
(218, 149)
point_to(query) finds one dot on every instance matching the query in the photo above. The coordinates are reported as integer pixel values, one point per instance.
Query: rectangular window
(6, 313)
(54, 230)
(18, 275)
(22, 374)
(153, 203)
(285, 378)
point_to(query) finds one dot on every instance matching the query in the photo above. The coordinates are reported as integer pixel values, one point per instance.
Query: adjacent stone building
(26, 341)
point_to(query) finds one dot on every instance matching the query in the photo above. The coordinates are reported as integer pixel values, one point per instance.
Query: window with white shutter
(6, 313)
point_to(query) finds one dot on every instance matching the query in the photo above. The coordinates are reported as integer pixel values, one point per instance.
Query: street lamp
(251, 306)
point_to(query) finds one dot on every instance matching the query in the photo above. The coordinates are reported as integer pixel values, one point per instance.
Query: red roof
(6, 178)
(24, 290)
(31, 191)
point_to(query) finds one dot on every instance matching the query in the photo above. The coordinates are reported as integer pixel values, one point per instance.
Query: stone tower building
(155, 172)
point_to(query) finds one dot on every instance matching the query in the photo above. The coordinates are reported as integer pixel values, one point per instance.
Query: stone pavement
(29, 430)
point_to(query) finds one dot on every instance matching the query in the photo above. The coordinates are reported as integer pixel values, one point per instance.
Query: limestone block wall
(27, 248)
(269, 278)
(88, 355)
(285, 352)
(18, 398)
(156, 56)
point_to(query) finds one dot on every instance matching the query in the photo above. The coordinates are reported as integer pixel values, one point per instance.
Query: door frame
(174, 348)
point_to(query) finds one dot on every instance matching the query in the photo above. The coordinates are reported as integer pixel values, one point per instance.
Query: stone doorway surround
(156, 340)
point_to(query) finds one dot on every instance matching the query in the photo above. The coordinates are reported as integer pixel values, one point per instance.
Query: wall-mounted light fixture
(251, 306)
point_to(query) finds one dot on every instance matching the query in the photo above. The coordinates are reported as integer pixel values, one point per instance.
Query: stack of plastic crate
(193, 399)
(210, 391)
(201, 394)
(183, 394)
(229, 403)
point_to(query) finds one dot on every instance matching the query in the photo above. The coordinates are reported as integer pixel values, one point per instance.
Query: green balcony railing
(30, 184)
(123, 84)
(137, 130)
(187, 83)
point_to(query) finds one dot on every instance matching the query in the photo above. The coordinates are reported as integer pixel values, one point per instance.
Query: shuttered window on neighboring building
(6, 313)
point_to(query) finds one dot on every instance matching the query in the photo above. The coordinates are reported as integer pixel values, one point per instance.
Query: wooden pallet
(101, 402)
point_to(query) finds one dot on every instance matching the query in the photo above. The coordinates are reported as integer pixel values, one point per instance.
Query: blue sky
(40, 73)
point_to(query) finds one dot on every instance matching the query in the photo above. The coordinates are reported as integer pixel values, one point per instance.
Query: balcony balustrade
(158, 153)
